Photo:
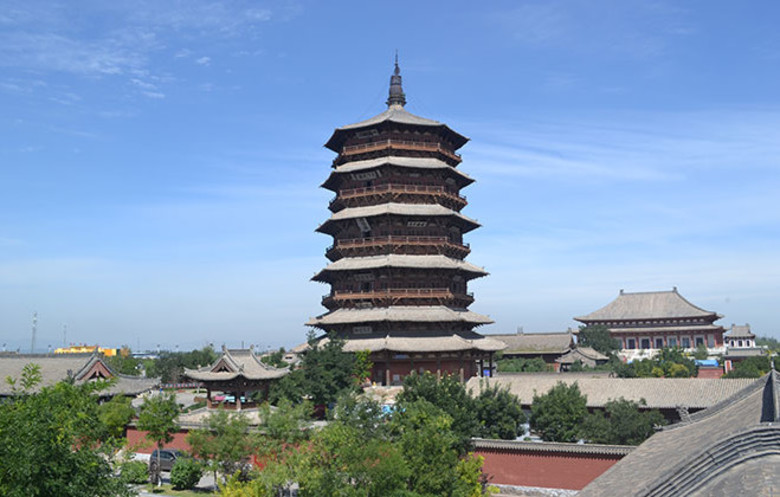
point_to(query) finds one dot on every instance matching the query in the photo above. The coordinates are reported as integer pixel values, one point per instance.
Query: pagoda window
(645, 343)
(672, 341)
(659, 343)
(686, 342)
(699, 341)
(740, 343)
(630, 343)
(711, 341)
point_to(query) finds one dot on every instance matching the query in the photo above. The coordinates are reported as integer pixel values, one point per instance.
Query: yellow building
(85, 349)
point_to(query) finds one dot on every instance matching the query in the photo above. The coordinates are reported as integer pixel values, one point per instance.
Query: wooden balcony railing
(399, 144)
(396, 188)
(397, 293)
(384, 240)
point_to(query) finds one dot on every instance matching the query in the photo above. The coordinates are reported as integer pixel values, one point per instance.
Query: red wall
(709, 372)
(136, 441)
(544, 469)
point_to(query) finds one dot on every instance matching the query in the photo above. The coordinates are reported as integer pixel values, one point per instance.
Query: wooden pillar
(387, 369)
(461, 374)
(481, 367)
(237, 395)
(438, 366)
(491, 364)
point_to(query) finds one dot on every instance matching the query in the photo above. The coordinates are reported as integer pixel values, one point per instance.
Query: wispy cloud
(617, 28)
(203, 61)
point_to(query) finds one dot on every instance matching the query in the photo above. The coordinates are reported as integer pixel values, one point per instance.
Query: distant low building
(86, 349)
(547, 346)
(740, 345)
(644, 321)
(80, 368)
(675, 398)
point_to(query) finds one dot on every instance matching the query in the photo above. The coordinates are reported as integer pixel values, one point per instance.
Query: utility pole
(34, 331)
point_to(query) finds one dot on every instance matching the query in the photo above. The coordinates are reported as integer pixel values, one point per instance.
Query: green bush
(186, 473)
(134, 472)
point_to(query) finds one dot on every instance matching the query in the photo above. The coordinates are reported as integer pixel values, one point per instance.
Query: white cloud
(203, 61)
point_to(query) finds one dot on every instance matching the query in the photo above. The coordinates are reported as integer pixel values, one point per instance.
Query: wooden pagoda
(398, 278)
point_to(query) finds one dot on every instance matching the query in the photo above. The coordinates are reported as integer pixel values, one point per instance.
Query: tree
(523, 365)
(449, 395)
(751, 367)
(224, 442)
(499, 413)
(624, 423)
(598, 338)
(158, 418)
(670, 362)
(770, 343)
(275, 359)
(326, 372)
(53, 443)
(557, 415)
(115, 414)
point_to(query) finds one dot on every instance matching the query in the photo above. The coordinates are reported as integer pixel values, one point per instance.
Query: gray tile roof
(660, 393)
(399, 260)
(55, 368)
(400, 314)
(581, 354)
(400, 210)
(740, 331)
(552, 447)
(647, 305)
(410, 344)
(409, 162)
(731, 449)
(236, 363)
(394, 114)
(539, 343)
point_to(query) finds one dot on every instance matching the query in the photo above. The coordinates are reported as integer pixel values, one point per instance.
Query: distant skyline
(160, 162)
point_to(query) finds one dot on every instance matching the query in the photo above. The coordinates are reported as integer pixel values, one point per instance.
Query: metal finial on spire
(396, 96)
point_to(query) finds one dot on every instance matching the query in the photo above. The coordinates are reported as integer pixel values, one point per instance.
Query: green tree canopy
(558, 414)
(751, 367)
(223, 442)
(449, 395)
(158, 418)
(598, 338)
(623, 424)
(53, 443)
(499, 413)
(115, 414)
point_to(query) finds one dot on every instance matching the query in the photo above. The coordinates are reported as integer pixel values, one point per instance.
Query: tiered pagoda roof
(398, 278)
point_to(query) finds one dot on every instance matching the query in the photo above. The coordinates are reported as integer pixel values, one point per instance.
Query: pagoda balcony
(391, 144)
(396, 244)
(452, 199)
(397, 296)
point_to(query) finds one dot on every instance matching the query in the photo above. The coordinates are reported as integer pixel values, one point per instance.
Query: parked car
(168, 458)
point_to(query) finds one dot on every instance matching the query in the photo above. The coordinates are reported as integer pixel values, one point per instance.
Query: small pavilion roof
(740, 331)
(647, 305)
(732, 448)
(536, 343)
(80, 367)
(396, 314)
(578, 353)
(399, 261)
(407, 162)
(398, 209)
(236, 363)
(659, 393)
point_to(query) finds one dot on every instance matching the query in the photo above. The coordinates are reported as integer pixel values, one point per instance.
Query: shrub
(186, 473)
(133, 472)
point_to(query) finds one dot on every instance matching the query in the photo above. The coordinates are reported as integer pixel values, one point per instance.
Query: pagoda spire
(397, 95)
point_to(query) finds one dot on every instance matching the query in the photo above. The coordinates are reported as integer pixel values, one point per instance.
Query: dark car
(168, 458)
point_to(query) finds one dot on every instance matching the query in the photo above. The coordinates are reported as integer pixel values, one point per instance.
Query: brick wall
(562, 469)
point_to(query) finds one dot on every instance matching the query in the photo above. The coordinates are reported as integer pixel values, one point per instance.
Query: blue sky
(160, 160)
